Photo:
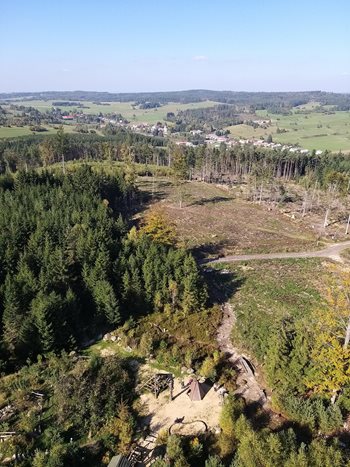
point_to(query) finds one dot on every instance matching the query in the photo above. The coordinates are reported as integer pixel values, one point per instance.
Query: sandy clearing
(161, 412)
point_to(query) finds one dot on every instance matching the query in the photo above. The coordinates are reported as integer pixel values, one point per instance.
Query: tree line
(204, 162)
(40, 150)
(255, 99)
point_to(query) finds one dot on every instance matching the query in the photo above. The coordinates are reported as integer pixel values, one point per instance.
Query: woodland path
(247, 385)
(332, 251)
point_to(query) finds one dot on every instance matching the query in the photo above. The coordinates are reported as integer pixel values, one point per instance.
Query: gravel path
(332, 252)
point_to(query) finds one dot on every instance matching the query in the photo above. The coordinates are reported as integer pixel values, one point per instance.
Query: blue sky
(134, 45)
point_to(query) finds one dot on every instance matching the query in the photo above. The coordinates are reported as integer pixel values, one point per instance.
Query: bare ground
(162, 412)
(215, 221)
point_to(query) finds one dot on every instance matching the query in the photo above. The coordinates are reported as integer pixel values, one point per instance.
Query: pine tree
(43, 307)
(16, 323)
(106, 301)
(213, 461)
(194, 293)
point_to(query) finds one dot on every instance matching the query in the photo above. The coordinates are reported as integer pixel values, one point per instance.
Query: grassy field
(12, 132)
(313, 130)
(124, 108)
(265, 293)
(214, 221)
(6, 132)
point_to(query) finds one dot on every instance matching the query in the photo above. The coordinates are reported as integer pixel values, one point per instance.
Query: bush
(208, 368)
(230, 413)
(214, 461)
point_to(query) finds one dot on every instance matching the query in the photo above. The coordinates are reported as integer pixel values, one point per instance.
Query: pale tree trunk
(326, 219)
(304, 204)
(261, 191)
(347, 226)
(347, 335)
(153, 185)
(255, 190)
(334, 396)
(63, 166)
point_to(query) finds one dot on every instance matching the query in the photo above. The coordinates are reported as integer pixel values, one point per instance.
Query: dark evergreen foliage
(67, 271)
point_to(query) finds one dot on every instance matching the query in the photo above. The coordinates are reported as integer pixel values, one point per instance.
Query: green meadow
(126, 109)
(12, 132)
(312, 130)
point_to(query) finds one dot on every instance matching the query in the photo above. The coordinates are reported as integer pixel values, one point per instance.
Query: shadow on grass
(211, 250)
(145, 198)
(303, 432)
(213, 200)
(149, 196)
(257, 416)
(222, 284)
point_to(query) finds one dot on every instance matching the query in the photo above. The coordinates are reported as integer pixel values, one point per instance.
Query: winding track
(333, 251)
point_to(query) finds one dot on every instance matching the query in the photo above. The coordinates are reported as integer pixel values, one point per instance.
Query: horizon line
(174, 91)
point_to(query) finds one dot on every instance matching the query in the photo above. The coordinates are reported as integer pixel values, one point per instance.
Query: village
(214, 139)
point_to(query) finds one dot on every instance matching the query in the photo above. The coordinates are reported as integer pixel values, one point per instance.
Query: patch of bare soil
(161, 413)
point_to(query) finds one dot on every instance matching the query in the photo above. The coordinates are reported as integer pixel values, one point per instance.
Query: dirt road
(332, 251)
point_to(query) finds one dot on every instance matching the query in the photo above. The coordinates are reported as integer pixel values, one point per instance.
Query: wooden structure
(4, 435)
(143, 451)
(158, 383)
(197, 390)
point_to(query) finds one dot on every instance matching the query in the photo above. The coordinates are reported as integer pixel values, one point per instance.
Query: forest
(69, 271)
(206, 119)
(257, 100)
(40, 150)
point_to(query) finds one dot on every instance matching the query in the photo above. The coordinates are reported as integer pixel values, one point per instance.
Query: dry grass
(214, 221)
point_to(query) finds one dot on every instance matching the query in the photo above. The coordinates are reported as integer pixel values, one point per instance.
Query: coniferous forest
(69, 271)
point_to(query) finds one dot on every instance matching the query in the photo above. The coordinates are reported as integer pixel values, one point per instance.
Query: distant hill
(257, 99)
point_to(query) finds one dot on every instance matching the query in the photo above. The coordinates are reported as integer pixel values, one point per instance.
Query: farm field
(314, 130)
(124, 108)
(213, 221)
(6, 132)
